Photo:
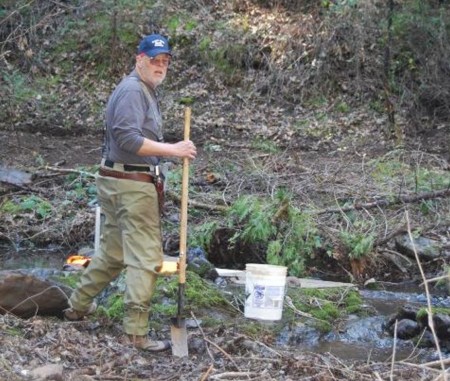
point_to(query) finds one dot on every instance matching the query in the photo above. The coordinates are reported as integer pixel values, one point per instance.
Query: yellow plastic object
(169, 268)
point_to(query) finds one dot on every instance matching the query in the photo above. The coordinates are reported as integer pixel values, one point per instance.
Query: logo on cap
(158, 43)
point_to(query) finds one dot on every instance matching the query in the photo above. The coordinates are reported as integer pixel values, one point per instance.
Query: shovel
(178, 328)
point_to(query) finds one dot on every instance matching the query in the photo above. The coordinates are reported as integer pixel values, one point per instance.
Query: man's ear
(139, 60)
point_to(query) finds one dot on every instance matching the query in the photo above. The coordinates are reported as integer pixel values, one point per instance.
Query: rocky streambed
(395, 325)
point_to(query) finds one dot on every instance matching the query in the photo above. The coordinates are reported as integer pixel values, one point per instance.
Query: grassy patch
(326, 306)
(413, 177)
(199, 294)
(423, 312)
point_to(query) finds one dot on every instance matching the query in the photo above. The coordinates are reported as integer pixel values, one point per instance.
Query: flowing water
(356, 338)
(365, 338)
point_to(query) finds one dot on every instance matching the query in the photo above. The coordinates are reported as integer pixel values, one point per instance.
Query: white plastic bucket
(264, 290)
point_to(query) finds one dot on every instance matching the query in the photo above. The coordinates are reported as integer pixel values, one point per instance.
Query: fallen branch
(205, 376)
(222, 351)
(396, 201)
(196, 204)
(234, 375)
(68, 170)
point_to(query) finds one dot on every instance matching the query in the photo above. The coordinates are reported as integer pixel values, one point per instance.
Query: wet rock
(413, 325)
(197, 262)
(406, 329)
(442, 325)
(25, 295)
(408, 311)
(426, 248)
(301, 334)
(427, 340)
(197, 345)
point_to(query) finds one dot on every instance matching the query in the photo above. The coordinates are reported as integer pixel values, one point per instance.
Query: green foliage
(265, 145)
(115, 308)
(181, 22)
(186, 101)
(18, 85)
(219, 59)
(202, 234)
(13, 331)
(423, 312)
(173, 23)
(108, 30)
(343, 107)
(256, 213)
(71, 280)
(412, 177)
(80, 185)
(353, 302)
(338, 6)
(23, 90)
(28, 204)
(328, 311)
(317, 102)
(191, 25)
(357, 243)
(288, 235)
(326, 305)
(204, 44)
(226, 58)
(198, 294)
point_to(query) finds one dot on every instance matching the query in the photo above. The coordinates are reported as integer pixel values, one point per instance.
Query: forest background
(323, 134)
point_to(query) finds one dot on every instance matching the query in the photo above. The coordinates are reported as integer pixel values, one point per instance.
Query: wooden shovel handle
(184, 201)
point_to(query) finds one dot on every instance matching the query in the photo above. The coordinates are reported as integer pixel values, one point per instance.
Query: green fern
(289, 235)
(202, 234)
(358, 244)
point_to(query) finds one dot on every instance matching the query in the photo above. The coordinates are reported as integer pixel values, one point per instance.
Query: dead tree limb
(68, 170)
(399, 200)
(196, 204)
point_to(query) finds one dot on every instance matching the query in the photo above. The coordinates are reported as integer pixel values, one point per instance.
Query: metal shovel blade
(178, 333)
(178, 329)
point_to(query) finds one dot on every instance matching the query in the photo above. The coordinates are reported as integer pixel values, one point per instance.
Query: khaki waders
(131, 238)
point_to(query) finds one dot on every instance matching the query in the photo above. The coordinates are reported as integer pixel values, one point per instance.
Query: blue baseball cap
(153, 45)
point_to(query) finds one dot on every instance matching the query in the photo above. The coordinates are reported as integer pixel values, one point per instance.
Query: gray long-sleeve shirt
(132, 114)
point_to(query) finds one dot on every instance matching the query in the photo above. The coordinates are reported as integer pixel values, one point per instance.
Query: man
(127, 187)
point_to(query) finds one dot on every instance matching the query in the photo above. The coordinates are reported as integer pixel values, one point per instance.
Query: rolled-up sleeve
(128, 120)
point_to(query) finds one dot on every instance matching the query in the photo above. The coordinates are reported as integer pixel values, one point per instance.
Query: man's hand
(186, 149)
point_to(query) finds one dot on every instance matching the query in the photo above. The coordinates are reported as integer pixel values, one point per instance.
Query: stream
(357, 338)
(365, 338)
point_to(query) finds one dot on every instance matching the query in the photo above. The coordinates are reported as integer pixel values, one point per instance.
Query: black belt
(144, 177)
(127, 167)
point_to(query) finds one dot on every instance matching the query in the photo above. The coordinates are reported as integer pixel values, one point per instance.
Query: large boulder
(427, 249)
(25, 294)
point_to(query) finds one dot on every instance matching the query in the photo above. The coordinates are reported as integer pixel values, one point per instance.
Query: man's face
(153, 70)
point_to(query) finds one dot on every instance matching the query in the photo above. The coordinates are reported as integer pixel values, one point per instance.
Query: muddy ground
(90, 350)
